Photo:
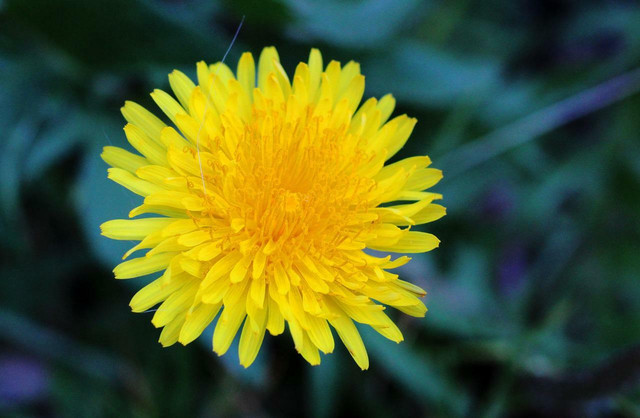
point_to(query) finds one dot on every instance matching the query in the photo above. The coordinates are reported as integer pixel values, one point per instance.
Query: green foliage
(533, 296)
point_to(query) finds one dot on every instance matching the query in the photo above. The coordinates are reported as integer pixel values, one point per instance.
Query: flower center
(293, 180)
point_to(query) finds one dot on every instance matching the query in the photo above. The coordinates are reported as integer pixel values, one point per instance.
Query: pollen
(266, 194)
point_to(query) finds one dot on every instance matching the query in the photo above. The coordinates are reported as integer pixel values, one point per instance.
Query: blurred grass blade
(324, 386)
(541, 122)
(414, 372)
(12, 154)
(256, 375)
(21, 332)
(609, 377)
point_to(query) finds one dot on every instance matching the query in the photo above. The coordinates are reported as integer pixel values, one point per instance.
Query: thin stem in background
(538, 123)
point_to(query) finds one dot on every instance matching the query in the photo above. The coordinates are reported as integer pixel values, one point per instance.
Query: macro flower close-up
(297, 208)
(270, 203)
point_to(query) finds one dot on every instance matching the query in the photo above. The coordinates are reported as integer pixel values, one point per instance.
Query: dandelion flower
(261, 199)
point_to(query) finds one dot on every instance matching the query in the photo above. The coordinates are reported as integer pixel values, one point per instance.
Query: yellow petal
(310, 301)
(350, 71)
(268, 56)
(389, 330)
(407, 164)
(275, 321)
(156, 291)
(386, 105)
(397, 141)
(142, 266)
(297, 333)
(221, 268)
(203, 72)
(418, 291)
(423, 178)
(257, 291)
(301, 83)
(167, 104)
(418, 310)
(429, 214)
(353, 93)
(171, 331)
(133, 229)
(117, 157)
(251, 339)
(171, 138)
(215, 292)
(280, 276)
(194, 238)
(259, 262)
(411, 242)
(149, 241)
(178, 200)
(239, 271)
(411, 214)
(237, 294)
(370, 313)
(222, 71)
(312, 278)
(309, 351)
(315, 72)
(153, 151)
(295, 302)
(182, 86)
(320, 334)
(196, 321)
(247, 74)
(332, 73)
(350, 337)
(191, 266)
(175, 305)
(133, 183)
(143, 119)
(209, 251)
(156, 174)
(227, 327)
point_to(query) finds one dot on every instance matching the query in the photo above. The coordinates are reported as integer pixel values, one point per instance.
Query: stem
(538, 123)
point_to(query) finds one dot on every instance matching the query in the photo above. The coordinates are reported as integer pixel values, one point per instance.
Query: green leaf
(419, 74)
(362, 24)
(118, 32)
(417, 373)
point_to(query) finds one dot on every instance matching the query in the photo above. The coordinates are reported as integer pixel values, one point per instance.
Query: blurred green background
(530, 107)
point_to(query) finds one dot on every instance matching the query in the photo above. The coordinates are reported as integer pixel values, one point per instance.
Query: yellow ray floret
(267, 190)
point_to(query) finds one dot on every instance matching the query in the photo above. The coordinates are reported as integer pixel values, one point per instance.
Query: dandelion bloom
(263, 198)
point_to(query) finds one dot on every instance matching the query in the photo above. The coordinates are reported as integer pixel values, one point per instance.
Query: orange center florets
(292, 184)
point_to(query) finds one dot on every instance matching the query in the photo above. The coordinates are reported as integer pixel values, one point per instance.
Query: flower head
(265, 195)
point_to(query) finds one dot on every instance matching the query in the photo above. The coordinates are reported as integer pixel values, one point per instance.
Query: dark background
(530, 108)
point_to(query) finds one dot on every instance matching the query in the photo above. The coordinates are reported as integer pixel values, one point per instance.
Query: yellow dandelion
(265, 195)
